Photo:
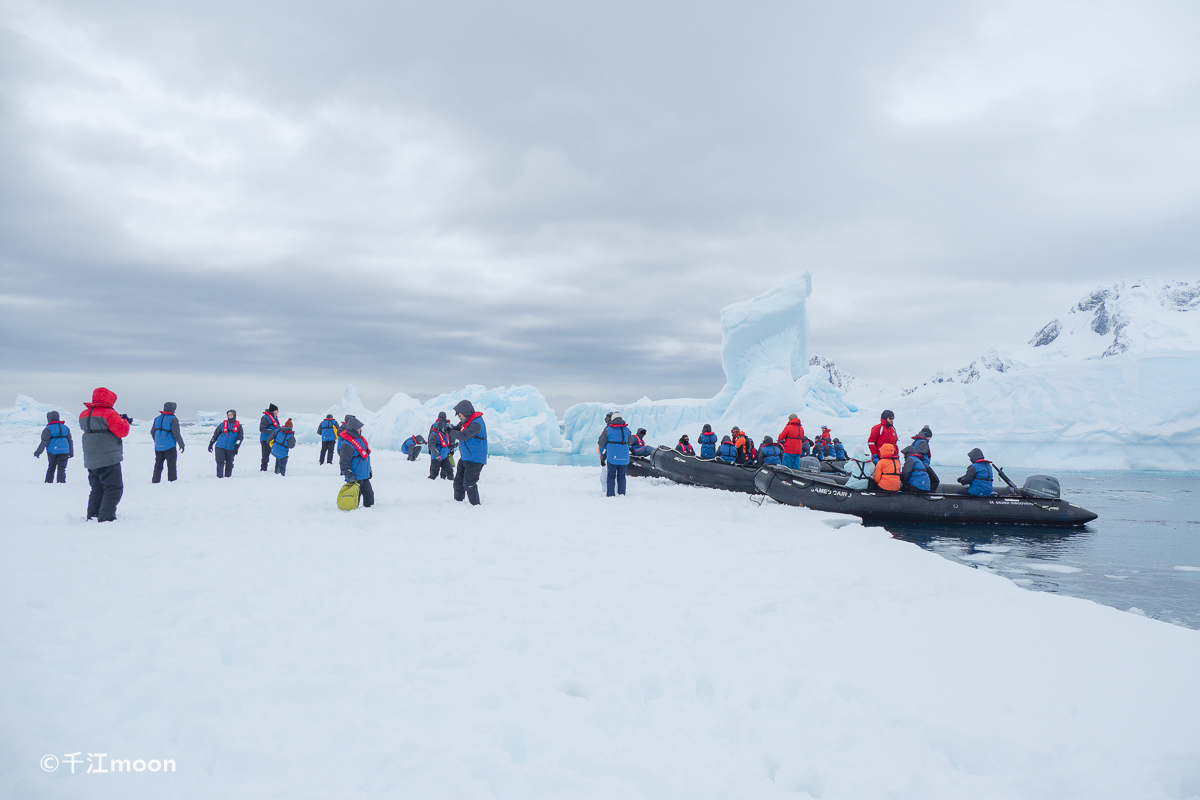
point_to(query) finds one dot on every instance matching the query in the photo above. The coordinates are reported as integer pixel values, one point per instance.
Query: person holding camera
(471, 435)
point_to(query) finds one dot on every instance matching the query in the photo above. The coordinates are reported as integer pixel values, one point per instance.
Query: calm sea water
(1142, 553)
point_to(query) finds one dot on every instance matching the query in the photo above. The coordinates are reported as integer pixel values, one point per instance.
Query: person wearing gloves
(708, 442)
(978, 478)
(354, 455)
(227, 437)
(412, 446)
(328, 431)
(103, 429)
(58, 446)
(471, 435)
(440, 449)
(614, 445)
(285, 440)
(166, 435)
(267, 426)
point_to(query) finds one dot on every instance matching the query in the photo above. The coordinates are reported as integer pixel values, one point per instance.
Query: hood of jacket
(51, 416)
(908, 451)
(465, 408)
(616, 420)
(707, 428)
(887, 451)
(231, 411)
(353, 423)
(169, 408)
(102, 398)
(975, 455)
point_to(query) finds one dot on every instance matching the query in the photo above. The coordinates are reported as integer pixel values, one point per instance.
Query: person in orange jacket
(887, 469)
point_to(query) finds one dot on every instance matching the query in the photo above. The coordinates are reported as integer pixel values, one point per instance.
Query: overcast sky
(231, 203)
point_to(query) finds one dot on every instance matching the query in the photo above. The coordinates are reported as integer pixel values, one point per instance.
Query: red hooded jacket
(792, 438)
(881, 434)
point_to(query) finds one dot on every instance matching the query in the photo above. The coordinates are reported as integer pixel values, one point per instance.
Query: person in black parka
(58, 446)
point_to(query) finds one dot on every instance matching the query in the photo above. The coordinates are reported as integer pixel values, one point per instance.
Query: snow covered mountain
(838, 378)
(1112, 384)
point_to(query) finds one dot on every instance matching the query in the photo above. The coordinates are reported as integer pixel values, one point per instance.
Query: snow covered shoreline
(678, 643)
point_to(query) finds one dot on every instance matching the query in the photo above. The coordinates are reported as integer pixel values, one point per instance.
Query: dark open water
(1143, 552)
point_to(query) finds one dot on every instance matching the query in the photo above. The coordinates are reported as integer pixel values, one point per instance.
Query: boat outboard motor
(1043, 486)
(810, 464)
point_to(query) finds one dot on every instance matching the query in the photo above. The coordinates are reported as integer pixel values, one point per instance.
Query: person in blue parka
(708, 442)
(166, 435)
(354, 455)
(915, 475)
(285, 440)
(266, 432)
(227, 439)
(58, 446)
(614, 445)
(471, 435)
(638, 446)
(441, 448)
(328, 431)
(978, 478)
(839, 450)
(412, 446)
(769, 453)
(685, 446)
(727, 452)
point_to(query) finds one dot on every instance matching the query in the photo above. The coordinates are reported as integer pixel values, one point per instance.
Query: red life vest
(363, 449)
(274, 419)
(442, 439)
(471, 419)
(225, 427)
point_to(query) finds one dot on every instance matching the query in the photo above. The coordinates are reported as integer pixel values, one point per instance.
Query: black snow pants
(440, 465)
(56, 462)
(169, 457)
(224, 462)
(413, 452)
(107, 488)
(366, 494)
(266, 448)
(326, 453)
(466, 481)
(281, 465)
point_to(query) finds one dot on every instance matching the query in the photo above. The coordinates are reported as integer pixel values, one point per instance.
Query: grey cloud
(567, 196)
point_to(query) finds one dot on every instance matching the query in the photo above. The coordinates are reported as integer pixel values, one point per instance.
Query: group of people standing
(104, 430)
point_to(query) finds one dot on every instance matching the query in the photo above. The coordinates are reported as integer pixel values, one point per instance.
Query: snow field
(678, 642)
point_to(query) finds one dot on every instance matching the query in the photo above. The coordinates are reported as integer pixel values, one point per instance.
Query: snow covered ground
(677, 643)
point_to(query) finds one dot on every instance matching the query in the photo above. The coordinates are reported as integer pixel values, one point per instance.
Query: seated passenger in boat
(839, 451)
(769, 453)
(978, 478)
(638, 446)
(685, 446)
(887, 469)
(727, 452)
(915, 474)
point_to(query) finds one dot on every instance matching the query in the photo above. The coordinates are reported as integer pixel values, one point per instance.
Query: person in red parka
(791, 439)
(881, 434)
(103, 430)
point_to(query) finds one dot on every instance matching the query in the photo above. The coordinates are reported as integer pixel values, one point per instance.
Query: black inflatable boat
(642, 467)
(1037, 503)
(709, 472)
